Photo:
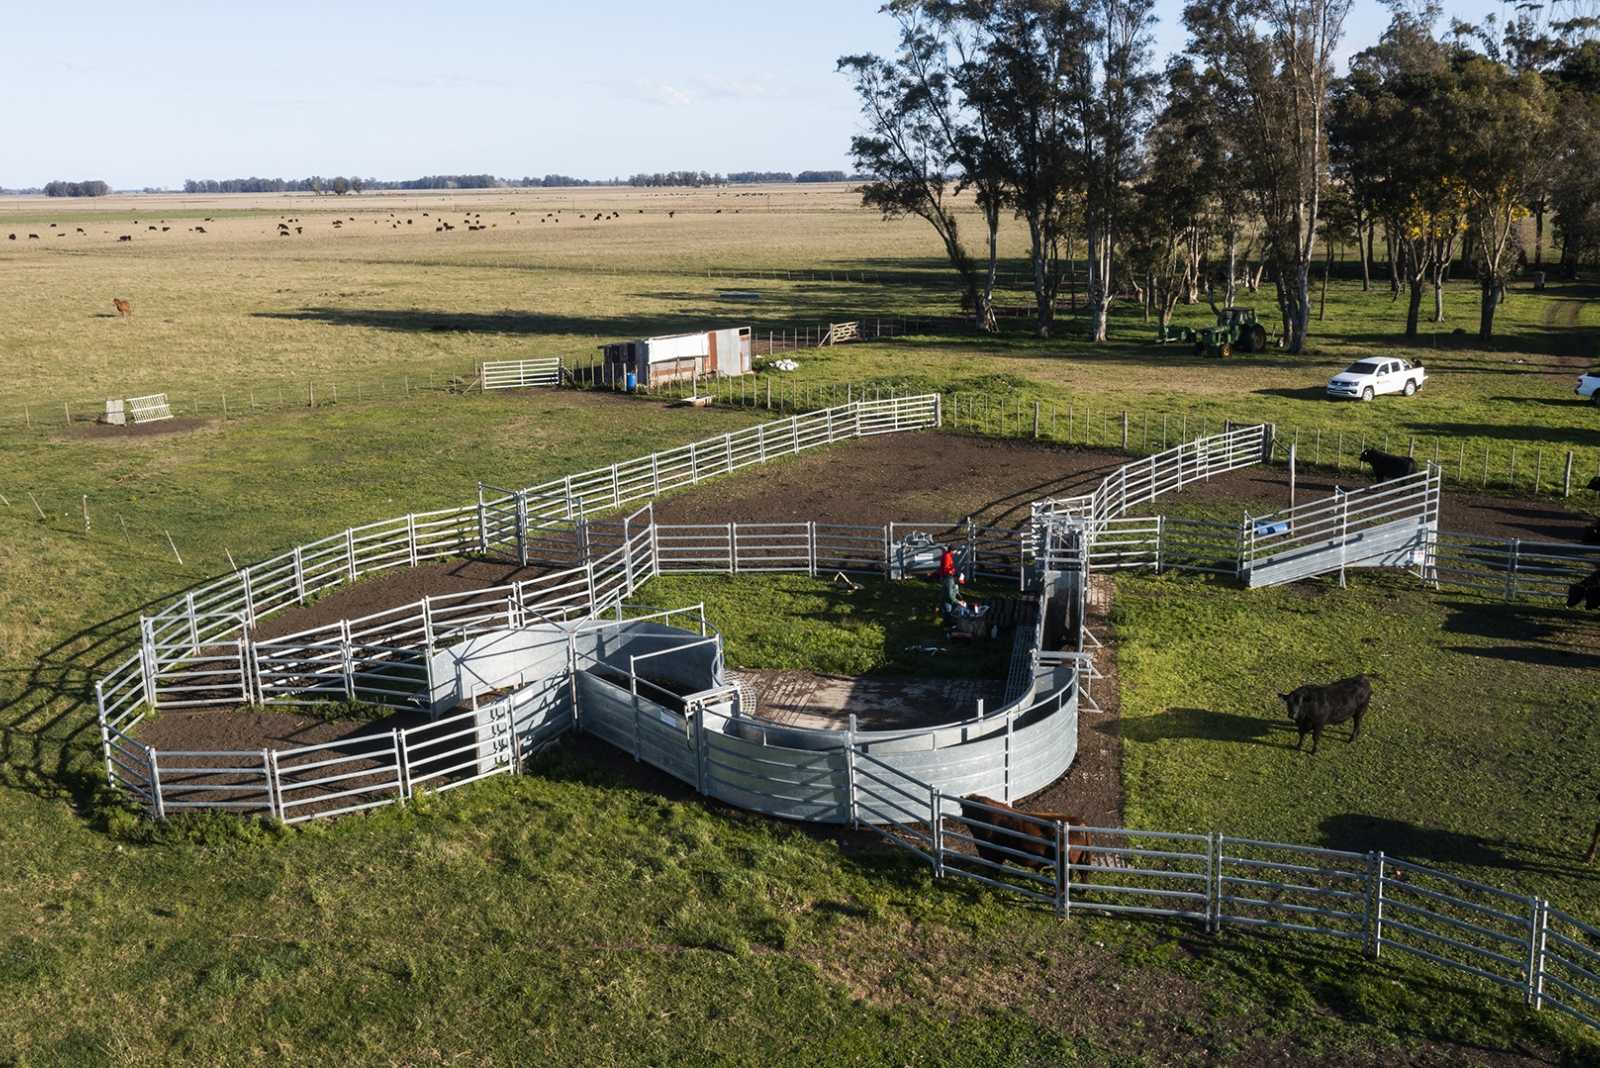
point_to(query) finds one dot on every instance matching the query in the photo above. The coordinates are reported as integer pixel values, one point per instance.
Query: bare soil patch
(391, 589)
(244, 729)
(935, 476)
(105, 431)
(1091, 789)
(825, 702)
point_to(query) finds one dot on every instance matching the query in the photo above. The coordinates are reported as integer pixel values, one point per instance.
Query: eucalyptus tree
(1173, 200)
(1502, 122)
(1393, 131)
(925, 143)
(1272, 64)
(1112, 88)
(1018, 78)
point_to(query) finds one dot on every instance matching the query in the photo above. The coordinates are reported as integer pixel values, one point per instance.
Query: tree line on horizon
(93, 188)
(1247, 144)
(341, 185)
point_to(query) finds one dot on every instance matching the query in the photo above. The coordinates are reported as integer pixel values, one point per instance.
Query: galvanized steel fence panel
(520, 374)
(1511, 569)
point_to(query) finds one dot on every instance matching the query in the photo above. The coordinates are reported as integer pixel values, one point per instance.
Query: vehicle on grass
(1236, 330)
(1588, 386)
(1366, 379)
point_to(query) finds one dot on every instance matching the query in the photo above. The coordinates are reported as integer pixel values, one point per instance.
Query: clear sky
(144, 94)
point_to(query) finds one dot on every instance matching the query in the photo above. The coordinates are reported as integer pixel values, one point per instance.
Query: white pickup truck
(1365, 379)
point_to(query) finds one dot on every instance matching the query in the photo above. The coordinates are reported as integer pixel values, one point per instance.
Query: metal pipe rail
(1414, 497)
(1509, 940)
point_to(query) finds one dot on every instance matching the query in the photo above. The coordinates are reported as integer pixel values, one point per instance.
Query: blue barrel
(631, 382)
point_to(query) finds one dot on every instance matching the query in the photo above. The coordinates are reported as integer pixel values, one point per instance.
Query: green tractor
(1236, 331)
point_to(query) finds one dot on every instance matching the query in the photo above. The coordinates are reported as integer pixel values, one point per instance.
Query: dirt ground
(105, 431)
(394, 588)
(1091, 790)
(242, 729)
(363, 751)
(932, 476)
(910, 477)
(924, 477)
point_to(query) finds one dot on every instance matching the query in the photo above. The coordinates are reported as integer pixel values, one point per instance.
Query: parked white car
(1589, 386)
(1366, 379)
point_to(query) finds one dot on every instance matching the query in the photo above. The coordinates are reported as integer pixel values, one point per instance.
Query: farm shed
(677, 357)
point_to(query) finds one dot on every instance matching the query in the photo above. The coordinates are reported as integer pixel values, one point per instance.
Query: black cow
(1591, 534)
(1585, 590)
(1314, 707)
(1386, 466)
(1594, 483)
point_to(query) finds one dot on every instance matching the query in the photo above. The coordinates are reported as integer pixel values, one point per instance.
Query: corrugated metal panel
(635, 724)
(792, 783)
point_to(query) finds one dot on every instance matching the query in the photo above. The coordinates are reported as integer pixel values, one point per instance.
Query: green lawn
(581, 914)
(796, 623)
(1478, 752)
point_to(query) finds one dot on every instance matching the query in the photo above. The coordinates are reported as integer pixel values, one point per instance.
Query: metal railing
(1378, 902)
(520, 374)
(218, 610)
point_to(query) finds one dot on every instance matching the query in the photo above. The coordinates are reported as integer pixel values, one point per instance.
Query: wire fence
(1471, 463)
(585, 367)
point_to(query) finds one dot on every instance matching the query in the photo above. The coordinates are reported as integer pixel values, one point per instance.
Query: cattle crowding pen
(494, 675)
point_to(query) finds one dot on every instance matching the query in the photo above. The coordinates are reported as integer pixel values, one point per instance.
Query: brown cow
(124, 309)
(1036, 841)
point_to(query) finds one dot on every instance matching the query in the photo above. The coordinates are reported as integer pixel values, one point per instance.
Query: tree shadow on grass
(1181, 724)
(1543, 637)
(1360, 832)
(1515, 433)
(1573, 402)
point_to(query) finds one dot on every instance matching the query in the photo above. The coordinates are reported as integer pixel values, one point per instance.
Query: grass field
(242, 314)
(578, 914)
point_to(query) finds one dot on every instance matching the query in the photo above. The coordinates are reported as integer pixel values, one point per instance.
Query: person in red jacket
(947, 565)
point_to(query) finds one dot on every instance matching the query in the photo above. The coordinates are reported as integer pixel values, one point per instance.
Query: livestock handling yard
(948, 762)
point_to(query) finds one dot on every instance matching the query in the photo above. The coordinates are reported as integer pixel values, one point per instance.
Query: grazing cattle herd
(472, 221)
